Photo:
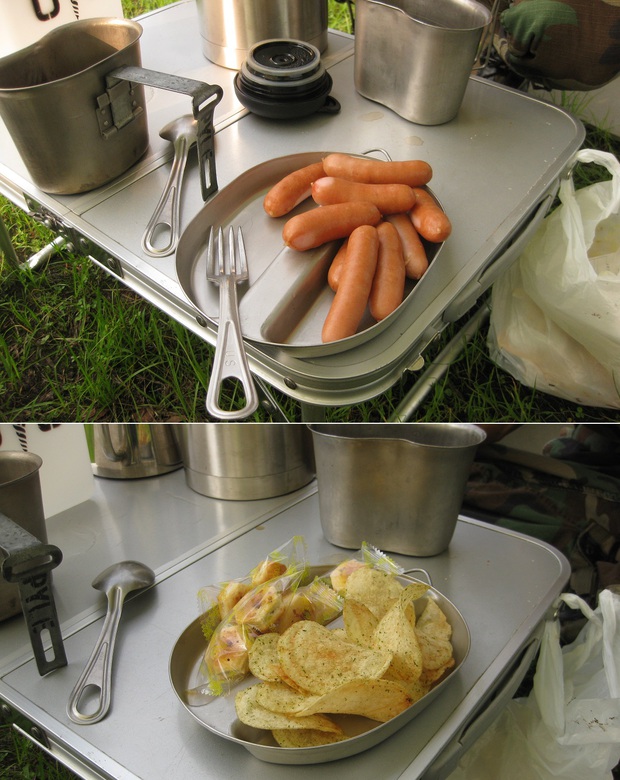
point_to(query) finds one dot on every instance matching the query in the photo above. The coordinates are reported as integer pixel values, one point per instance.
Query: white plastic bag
(555, 316)
(568, 728)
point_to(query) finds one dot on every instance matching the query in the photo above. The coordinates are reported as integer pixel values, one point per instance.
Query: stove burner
(284, 79)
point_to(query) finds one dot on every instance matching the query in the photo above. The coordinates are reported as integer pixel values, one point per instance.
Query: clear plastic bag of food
(367, 557)
(278, 592)
(216, 602)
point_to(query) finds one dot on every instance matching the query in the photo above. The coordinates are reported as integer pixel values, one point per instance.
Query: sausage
(327, 223)
(291, 190)
(414, 253)
(337, 264)
(415, 173)
(388, 285)
(431, 222)
(351, 299)
(388, 198)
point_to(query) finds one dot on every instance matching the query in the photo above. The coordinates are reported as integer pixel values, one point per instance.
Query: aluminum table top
(503, 584)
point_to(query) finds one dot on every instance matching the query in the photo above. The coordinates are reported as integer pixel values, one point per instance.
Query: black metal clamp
(29, 563)
(205, 98)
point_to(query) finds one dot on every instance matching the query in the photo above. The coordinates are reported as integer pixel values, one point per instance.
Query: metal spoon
(95, 681)
(165, 222)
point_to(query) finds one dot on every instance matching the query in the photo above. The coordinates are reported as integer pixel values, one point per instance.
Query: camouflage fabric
(560, 44)
(569, 496)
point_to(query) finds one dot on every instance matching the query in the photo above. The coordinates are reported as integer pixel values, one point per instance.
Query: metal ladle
(95, 681)
(165, 222)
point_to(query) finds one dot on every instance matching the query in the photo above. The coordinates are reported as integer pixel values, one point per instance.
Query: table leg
(439, 366)
(6, 245)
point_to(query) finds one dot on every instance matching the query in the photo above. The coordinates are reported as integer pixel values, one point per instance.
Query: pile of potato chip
(384, 659)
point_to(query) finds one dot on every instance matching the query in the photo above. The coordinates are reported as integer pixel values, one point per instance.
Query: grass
(21, 759)
(75, 344)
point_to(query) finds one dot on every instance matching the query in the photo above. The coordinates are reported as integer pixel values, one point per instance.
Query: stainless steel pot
(74, 105)
(48, 100)
(22, 502)
(133, 450)
(245, 461)
(230, 27)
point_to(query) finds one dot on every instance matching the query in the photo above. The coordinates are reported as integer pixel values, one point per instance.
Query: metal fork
(226, 267)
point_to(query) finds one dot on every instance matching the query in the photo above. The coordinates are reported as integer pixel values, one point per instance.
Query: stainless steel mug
(21, 501)
(415, 56)
(399, 487)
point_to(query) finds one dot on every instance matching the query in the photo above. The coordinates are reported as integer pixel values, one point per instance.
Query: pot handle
(29, 563)
(205, 98)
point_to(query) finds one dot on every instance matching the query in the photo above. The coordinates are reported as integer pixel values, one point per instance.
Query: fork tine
(226, 255)
(221, 258)
(232, 252)
(242, 269)
(211, 254)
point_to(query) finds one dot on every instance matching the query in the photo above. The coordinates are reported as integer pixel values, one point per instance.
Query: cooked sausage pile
(380, 210)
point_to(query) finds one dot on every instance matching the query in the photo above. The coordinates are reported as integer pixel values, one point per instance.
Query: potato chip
(374, 588)
(381, 662)
(396, 634)
(415, 689)
(290, 682)
(359, 622)
(430, 676)
(280, 697)
(301, 738)
(375, 699)
(318, 661)
(250, 712)
(433, 632)
(263, 657)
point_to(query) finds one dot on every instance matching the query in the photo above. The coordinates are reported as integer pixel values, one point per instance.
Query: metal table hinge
(84, 246)
(20, 723)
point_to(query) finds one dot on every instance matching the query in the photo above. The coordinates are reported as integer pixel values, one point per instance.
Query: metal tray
(218, 715)
(287, 297)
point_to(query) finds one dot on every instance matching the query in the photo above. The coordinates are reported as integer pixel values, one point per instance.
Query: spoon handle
(94, 685)
(165, 222)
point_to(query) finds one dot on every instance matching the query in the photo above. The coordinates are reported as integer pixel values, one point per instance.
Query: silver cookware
(74, 105)
(90, 699)
(132, 450)
(163, 230)
(230, 27)
(246, 461)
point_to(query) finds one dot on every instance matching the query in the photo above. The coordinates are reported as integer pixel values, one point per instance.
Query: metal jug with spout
(133, 450)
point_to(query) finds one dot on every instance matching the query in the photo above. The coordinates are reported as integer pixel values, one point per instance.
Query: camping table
(496, 169)
(503, 583)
